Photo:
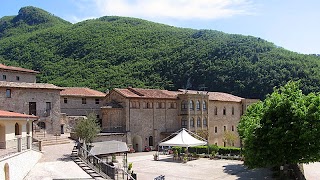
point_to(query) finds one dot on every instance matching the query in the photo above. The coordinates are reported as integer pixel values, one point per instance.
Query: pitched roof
(215, 96)
(7, 114)
(12, 68)
(147, 93)
(81, 91)
(28, 85)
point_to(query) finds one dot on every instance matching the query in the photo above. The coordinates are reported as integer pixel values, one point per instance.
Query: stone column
(6, 172)
(29, 142)
(19, 143)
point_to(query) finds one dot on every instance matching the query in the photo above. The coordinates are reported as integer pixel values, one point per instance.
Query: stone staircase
(84, 166)
(49, 139)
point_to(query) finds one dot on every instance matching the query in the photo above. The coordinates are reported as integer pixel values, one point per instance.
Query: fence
(104, 169)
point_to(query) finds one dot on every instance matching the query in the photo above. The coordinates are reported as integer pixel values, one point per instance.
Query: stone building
(20, 93)
(80, 101)
(146, 116)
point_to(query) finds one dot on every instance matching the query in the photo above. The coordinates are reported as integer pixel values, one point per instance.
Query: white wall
(19, 165)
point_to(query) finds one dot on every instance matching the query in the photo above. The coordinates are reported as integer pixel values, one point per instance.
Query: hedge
(204, 150)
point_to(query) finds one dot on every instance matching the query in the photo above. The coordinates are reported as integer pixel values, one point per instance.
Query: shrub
(229, 150)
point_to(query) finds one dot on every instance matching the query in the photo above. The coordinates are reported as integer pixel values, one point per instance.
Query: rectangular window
(4, 77)
(224, 128)
(232, 110)
(97, 101)
(84, 101)
(17, 78)
(65, 100)
(216, 129)
(232, 128)
(48, 105)
(8, 93)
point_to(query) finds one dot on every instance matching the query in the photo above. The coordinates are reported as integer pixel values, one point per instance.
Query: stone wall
(223, 123)
(20, 99)
(14, 76)
(74, 106)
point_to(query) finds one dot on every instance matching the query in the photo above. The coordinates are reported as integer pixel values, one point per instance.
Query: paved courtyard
(57, 164)
(203, 168)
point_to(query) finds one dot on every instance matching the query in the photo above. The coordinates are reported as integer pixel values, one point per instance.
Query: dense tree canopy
(282, 129)
(118, 52)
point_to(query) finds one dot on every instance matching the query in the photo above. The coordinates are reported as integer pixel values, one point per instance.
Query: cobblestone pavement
(203, 168)
(56, 164)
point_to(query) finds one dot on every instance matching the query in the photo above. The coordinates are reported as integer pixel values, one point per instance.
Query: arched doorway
(137, 143)
(2, 136)
(17, 129)
(28, 127)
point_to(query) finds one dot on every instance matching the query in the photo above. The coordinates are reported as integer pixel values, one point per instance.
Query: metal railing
(104, 169)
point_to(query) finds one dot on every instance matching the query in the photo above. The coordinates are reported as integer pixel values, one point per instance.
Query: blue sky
(291, 24)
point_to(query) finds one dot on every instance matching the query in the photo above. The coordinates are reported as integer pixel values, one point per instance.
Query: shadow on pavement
(242, 172)
(65, 158)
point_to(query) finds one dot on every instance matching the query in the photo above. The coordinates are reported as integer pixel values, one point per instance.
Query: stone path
(203, 168)
(57, 164)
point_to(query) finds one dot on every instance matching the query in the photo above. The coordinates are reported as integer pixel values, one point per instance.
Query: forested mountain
(114, 51)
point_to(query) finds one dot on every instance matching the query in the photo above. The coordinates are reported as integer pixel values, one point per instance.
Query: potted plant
(156, 156)
(114, 159)
(130, 168)
(185, 159)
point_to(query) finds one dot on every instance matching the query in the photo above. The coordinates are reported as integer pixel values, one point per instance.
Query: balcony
(42, 113)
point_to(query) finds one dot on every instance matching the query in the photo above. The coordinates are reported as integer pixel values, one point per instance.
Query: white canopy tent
(183, 139)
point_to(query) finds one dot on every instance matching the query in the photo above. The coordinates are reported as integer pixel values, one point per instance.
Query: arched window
(28, 127)
(216, 129)
(198, 105)
(184, 105)
(205, 124)
(192, 122)
(215, 110)
(191, 105)
(17, 129)
(224, 111)
(232, 128)
(204, 105)
(183, 123)
(198, 122)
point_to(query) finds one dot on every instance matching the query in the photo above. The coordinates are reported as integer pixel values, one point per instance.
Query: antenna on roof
(189, 85)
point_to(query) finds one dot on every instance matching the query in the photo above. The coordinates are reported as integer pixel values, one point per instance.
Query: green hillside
(118, 52)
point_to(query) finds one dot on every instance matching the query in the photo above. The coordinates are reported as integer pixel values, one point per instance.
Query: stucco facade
(147, 116)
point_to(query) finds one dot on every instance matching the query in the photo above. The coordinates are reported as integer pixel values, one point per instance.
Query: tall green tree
(88, 128)
(283, 129)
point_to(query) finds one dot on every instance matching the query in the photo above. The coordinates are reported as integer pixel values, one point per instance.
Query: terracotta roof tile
(7, 114)
(147, 93)
(12, 68)
(28, 85)
(165, 94)
(81, 91)
(216, 96)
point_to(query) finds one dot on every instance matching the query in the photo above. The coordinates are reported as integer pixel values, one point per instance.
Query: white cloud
(174, 9)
